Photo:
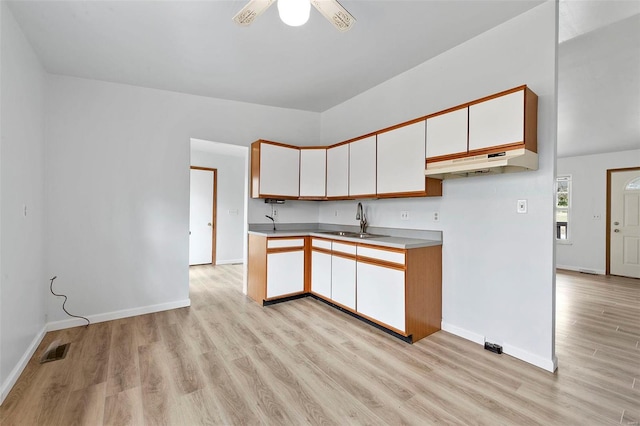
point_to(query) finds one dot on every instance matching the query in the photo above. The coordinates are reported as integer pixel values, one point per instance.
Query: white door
(343, 281)
(625, 224)
(380, 294)
(321, 273)
(201, 217)
(285, 273)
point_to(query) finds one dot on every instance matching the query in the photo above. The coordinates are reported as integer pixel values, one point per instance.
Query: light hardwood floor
(227, 360)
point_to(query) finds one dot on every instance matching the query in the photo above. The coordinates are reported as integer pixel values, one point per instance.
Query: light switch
(522, 206)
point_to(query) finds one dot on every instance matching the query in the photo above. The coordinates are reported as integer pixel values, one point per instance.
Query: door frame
(608, 221)
(214, 231)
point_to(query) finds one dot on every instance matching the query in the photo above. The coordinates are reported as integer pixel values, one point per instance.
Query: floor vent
(55, 352)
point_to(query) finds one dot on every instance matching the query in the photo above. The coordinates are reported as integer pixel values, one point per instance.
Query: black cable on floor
(65, 301)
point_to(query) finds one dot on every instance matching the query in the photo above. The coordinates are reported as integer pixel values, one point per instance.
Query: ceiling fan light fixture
(294, 12)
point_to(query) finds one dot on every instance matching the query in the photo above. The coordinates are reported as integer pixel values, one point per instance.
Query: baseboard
(581, 269)
(544, 363)
(461, 332)
(109, 316)
(24, 360)
(229, 262)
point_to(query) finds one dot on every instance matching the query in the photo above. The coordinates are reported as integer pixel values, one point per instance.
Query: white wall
(118, 187)
(498, 266)
(23, 284)
(587, 245)
(231, 175)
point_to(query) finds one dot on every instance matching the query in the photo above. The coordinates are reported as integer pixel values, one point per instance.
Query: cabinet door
(400, 158)
(313, 172)
(285, 273)
(321, 273)
(343, 281)
(362, 166)
(338, 171)
(381, 294)
(279, 170)
(447, 133)
(498, 121)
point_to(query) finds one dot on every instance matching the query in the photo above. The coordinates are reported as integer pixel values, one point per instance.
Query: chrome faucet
(362, 218)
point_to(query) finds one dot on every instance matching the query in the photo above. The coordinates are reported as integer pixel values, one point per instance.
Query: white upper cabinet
(279, 170)
(400, 159)
(338, 171)
(313, 169)
(497, 121)
(362, 167)
(447, 133)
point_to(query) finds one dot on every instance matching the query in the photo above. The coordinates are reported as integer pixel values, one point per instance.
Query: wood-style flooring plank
(228, 361)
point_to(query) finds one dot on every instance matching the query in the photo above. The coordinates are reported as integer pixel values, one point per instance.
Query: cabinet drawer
(323, 244)
(384, 255)
(344, 248)
(285, 242)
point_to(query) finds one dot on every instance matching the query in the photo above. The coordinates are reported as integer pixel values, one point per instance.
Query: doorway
(202, 216)
(623, 222)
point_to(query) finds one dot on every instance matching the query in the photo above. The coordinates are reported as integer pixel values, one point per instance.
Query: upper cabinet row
(500, 122)
(391, 162)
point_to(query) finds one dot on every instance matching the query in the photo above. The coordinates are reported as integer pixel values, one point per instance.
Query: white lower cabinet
(343, 281)
(321, 273)
(381, 294)
(285, 273)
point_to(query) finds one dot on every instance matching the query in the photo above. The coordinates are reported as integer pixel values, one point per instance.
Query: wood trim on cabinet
(257, 268)
(498, 148)
(491, 150)
(530, 120)
(307, 264)
(498, 95)
(284, 145)
(255, 169)
(311, 147)
(284, 249)
(423, 291)
(320, 250)
(312, 198)
(343, 255)
(378, 262)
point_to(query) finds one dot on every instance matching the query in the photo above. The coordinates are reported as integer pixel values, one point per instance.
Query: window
(563, 205)
(633, 185)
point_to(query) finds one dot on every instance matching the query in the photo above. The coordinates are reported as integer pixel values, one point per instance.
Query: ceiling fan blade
(251, 11)
(335, 13)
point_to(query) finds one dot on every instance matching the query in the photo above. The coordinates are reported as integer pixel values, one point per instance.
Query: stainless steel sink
(362, 235)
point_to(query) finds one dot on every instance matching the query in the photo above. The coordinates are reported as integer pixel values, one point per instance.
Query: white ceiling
(194, 47)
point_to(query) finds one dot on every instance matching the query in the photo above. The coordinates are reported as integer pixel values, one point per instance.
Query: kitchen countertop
(387, 241)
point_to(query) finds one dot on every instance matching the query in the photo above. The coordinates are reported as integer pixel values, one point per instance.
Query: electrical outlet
(335, 213)
(404, 215)
(522, 206)
(436, 216)
(596, 217)
(275, 212)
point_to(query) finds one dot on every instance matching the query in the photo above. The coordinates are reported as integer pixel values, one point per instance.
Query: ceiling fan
(296, 12)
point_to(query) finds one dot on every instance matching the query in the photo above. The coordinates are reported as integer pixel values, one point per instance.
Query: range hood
(516, 160)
